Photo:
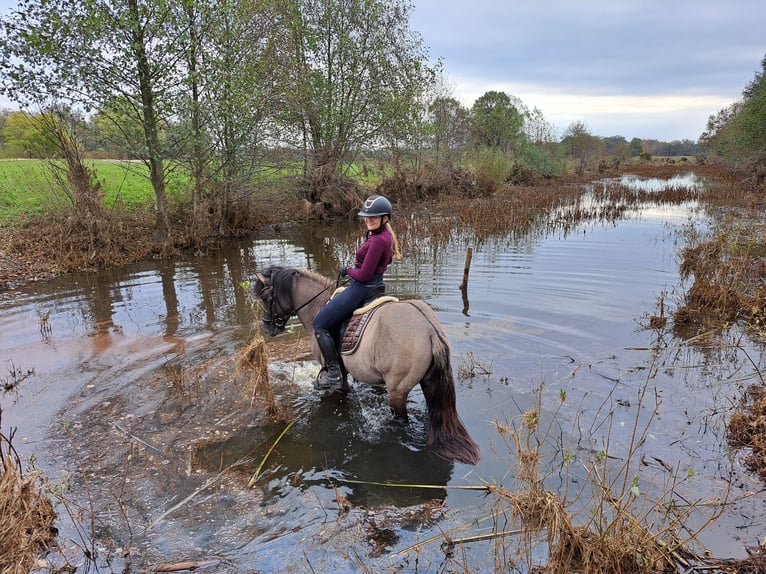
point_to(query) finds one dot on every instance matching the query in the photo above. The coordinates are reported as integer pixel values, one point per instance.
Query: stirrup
(328, 383)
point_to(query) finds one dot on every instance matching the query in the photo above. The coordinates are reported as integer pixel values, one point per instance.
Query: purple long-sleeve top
(374, 256)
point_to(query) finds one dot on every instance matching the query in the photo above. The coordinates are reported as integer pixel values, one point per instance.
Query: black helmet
(376, 205)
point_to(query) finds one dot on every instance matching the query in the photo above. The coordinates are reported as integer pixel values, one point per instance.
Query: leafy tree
(116, 131)
(636, 147)
(498, 120)
(584, 147)
(450, 124)
(617, 147)
(736, 133)
(537, 129)
(752, 118)
(89, 52)
(25, 136)
(240, 93)
(4, 115)
(359, 74)
(539, 150)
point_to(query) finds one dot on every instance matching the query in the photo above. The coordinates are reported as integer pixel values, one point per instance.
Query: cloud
(665, 117)
(650, 69)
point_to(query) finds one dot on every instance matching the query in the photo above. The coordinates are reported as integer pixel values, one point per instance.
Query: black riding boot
(331, 377)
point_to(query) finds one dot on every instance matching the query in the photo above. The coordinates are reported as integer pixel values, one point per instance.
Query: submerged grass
(609, 526)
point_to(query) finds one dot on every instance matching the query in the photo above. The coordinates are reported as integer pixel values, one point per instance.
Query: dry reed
(26, 528)
(253, 363)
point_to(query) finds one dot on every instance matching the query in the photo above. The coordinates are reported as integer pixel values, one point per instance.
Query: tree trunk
(197, 160)
(151, 128)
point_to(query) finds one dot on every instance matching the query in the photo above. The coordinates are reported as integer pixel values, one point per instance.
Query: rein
(279, 321)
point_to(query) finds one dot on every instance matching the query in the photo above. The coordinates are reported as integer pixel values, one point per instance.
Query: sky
(649, 69)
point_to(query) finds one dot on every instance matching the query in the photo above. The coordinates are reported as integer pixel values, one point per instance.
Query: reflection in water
(349, 442)
(688, 181)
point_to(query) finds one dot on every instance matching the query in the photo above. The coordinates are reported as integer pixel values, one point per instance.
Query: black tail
(447, 435)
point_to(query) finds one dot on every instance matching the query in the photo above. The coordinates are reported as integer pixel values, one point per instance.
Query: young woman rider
(372, 260)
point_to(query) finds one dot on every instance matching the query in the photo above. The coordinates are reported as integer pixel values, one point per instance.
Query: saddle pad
(358, 322)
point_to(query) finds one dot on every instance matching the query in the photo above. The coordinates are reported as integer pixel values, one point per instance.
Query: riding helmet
(376, 205)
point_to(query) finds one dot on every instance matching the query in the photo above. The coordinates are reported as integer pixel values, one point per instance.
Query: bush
(491, 168)
(543, 160)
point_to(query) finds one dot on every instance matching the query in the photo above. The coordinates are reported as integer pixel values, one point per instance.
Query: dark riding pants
(340, 307)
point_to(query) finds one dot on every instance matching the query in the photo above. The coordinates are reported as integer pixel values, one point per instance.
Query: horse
(403, 344)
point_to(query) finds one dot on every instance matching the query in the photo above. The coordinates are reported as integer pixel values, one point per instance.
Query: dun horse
(403, 345)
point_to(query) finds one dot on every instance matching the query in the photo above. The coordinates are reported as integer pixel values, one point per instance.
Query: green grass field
(28, 188)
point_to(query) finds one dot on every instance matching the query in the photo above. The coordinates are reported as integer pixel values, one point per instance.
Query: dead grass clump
(253, 363)
(747, 428)
(432, 180)
(63, 242)
(727, 267)
(617, 543)
(27, 515)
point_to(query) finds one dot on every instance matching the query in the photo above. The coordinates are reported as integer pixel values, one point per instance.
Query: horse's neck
(306, 291)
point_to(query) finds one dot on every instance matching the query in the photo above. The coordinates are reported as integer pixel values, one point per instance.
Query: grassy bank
(28, 189)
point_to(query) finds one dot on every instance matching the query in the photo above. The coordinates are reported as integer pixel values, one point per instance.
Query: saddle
(352, 330)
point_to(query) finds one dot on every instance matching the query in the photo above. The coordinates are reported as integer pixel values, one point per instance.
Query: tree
(116, 131)
(358, 76)
(243, 75)
(583, 147)
(539, 151)
(450, 125)
(752, 117)
(4, 115)
(88, 52)
(736, 132)
(25, 137)
(497, 121)
(537, 129)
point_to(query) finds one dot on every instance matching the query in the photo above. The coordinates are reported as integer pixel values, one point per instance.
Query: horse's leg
(398, 402)
(399, 389)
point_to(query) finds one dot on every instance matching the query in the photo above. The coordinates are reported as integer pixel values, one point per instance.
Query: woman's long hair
(397, 252)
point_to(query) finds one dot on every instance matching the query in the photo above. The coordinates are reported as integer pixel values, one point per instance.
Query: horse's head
(271, 288)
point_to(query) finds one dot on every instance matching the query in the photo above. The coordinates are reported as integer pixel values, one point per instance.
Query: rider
(372, 260)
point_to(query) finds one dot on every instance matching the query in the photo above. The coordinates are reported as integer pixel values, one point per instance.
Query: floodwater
(122, 388)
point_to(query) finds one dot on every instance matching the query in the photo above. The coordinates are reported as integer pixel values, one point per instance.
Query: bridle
(279, 320)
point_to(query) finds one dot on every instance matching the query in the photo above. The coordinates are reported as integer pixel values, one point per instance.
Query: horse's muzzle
(273, 328)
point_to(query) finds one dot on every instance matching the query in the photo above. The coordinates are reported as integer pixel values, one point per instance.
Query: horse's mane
(314, 276)
(282, 277)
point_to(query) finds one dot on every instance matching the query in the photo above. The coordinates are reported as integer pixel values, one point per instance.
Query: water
(130, 395)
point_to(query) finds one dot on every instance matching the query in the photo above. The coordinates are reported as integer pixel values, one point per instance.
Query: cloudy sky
(636, 68)
(647, 69)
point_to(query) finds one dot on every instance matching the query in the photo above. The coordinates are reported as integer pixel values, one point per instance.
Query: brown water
(123, 394)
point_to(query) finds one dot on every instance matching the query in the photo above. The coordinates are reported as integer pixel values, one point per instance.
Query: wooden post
(464, 284)
(466, 269)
